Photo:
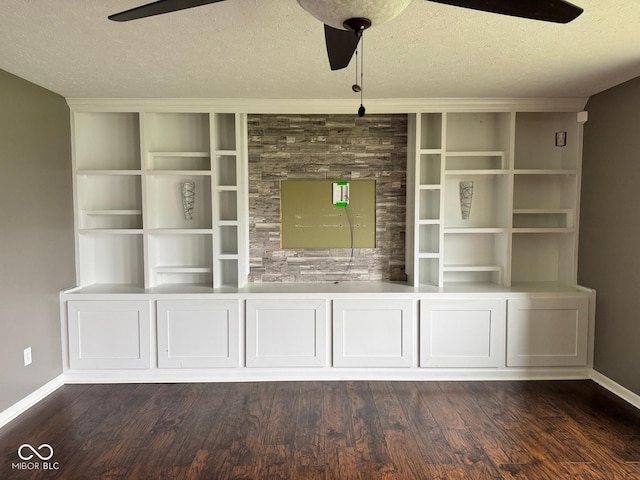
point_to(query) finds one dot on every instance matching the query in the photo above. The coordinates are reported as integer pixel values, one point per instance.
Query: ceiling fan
(345, 20)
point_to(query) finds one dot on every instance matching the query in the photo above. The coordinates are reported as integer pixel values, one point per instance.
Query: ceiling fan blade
(340, 46)
(558, 11)
(158, 8)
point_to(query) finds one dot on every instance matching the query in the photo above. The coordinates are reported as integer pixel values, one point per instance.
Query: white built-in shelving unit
(523, 222)
(491, 296)
(131, 229)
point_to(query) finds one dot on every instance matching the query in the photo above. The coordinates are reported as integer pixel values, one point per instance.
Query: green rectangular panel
(308, 218)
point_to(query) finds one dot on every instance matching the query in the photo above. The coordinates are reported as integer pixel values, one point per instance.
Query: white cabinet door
(286, 333)
(198, 333)
(462, 333)
(109, 334)
(547, 331)
(372, 333)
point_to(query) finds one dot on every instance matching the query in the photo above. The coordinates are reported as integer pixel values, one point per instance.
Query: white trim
(30, 400)
(329, 105)
(616, 388)
(320, 374)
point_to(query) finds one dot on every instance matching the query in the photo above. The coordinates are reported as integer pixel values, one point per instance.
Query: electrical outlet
(341, 194)
(27, 356)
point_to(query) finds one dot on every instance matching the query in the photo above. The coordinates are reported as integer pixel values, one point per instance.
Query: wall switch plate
(561, 139)
(341, 194)
(27, 356)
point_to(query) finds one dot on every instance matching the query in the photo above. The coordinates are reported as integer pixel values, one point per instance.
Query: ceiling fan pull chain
(357, 66)
(361, 65)
(355, 87)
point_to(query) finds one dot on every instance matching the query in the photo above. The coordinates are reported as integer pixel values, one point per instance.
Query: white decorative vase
(188, 198)
(466, 196)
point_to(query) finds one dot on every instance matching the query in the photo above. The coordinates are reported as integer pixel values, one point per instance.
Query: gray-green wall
(36, 233)
(609, 254)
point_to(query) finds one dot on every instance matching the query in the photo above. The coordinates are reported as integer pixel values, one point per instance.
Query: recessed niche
(309, 219)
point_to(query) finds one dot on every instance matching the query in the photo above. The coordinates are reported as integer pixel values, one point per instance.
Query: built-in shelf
(471, 268)
(183, 173)
(161, 269)
(544, 172)
(132, 224)
(110, 231)
(523, 207)
(104, 172)
(462, 173)
(473, 230)
(179, 231)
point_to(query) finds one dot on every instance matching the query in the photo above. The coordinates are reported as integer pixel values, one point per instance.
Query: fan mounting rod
(357, 25)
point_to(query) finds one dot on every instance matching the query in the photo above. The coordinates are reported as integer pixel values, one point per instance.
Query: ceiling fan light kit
(335, 12)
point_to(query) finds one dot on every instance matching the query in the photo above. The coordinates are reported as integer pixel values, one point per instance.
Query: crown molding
(326, 106)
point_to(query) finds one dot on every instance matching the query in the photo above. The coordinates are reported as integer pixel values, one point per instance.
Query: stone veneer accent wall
(331, 147)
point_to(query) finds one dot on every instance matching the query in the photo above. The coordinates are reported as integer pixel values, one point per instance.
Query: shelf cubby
(110, 219)
(107, 258)
(472, 274)
(542, 219)
(430, 166)
(429, 238)
(225, 132)
(472, 161)
(474, 248)
(429, 203)
(548, 258)
(228, 239)
(164, 194)
(478, 132)
(431, 131)
(177, 132)
(107, 141)
(180, 258)
(200, 276)
(535, 141)
(227, 274)
(226, 170)
(104, 192)
(429, 271)
(179, 161)
(535, 190)
(228, 205)
(475, 254)
(489, 206)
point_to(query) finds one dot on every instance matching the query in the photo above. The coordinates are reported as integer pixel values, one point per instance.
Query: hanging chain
(361, 66)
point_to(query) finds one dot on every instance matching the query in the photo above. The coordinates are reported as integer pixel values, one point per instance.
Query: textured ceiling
(274, 49)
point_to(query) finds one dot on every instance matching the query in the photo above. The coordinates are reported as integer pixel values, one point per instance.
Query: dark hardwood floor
(327, 430)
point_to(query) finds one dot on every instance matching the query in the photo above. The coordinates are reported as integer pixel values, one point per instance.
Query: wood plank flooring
(328, 430)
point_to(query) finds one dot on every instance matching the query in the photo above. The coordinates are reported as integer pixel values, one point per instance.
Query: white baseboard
(616, 388)
(320, 374)
(30, 400)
